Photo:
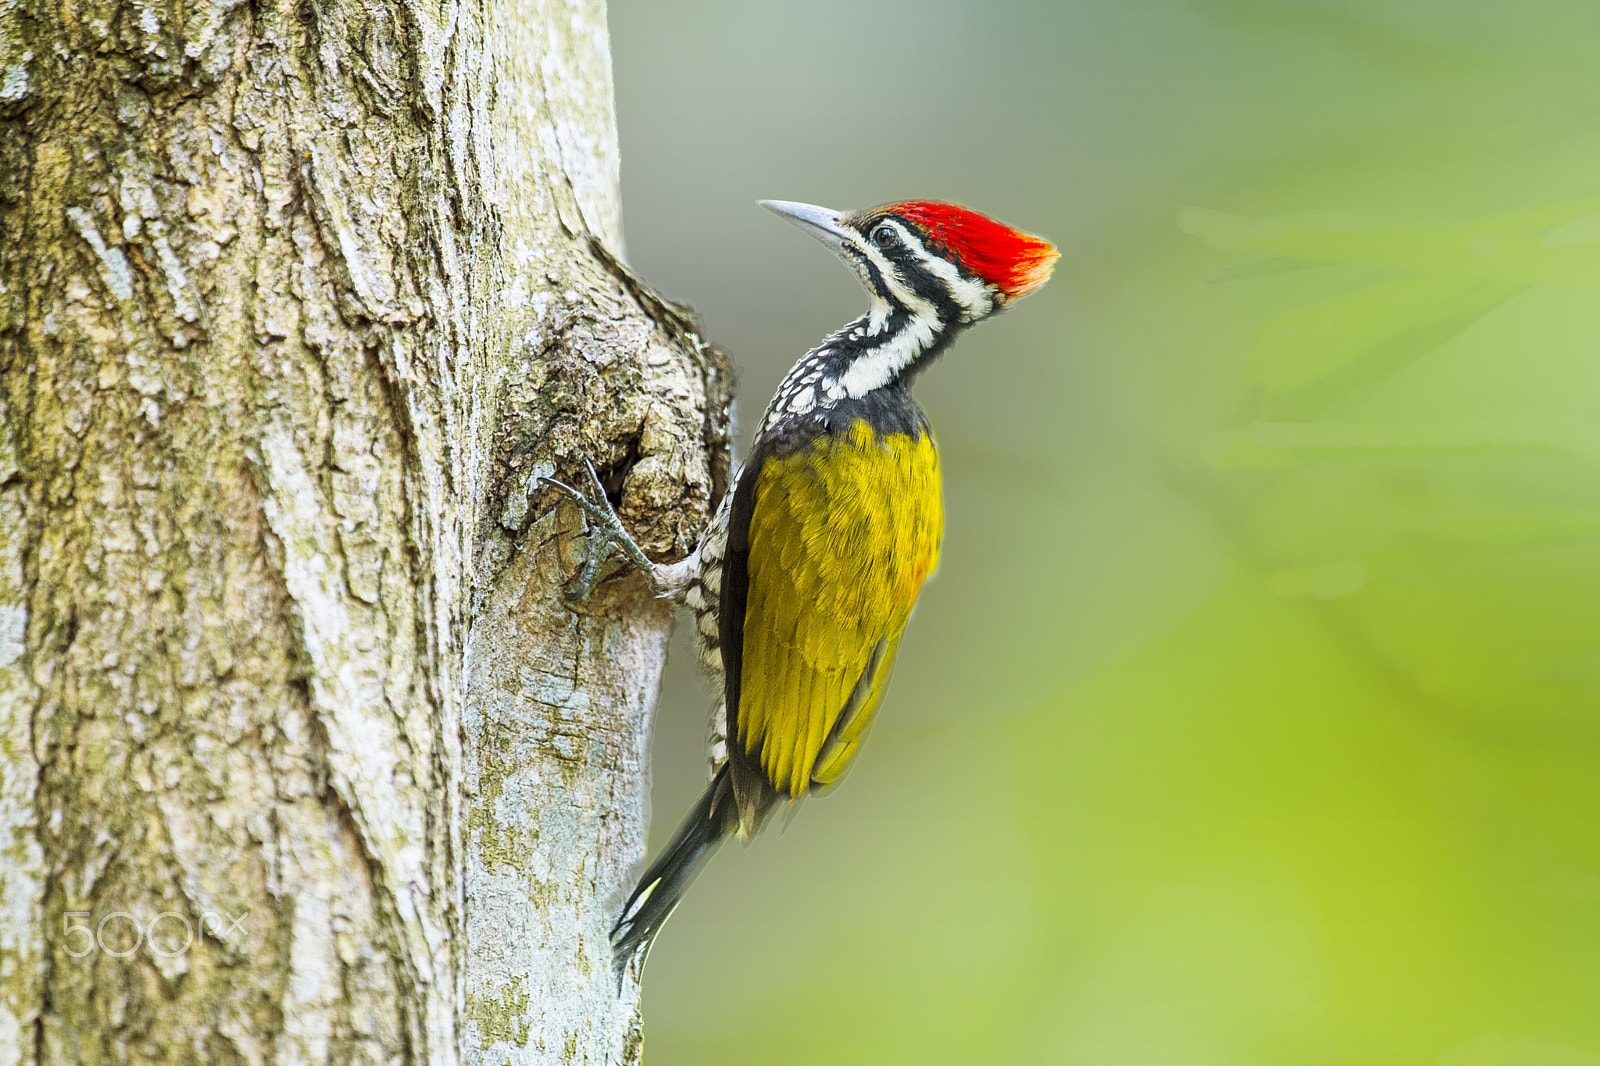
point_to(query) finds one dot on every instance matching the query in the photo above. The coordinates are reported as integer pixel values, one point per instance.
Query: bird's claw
(605, 529)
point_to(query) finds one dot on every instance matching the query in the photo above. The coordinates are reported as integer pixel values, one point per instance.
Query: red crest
(1014, 262)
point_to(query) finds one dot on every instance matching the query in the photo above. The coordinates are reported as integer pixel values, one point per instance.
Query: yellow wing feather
(842, 537)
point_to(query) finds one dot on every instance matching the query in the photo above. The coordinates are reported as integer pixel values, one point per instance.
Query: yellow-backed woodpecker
(803, 582)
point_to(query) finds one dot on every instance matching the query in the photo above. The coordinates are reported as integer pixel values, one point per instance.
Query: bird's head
(922, 257)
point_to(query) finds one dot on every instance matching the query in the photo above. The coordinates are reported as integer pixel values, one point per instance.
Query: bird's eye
(885, 236)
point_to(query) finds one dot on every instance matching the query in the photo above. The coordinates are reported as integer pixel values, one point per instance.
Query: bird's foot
(605, 531)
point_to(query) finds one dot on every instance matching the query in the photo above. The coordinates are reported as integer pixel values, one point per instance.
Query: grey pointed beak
(820, 222)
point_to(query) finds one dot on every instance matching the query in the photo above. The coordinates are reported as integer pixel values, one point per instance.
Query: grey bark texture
(303, 756)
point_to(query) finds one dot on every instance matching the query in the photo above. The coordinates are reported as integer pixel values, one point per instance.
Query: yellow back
(842, 537)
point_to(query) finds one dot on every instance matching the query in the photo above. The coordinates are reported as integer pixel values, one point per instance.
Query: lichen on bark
(297, 302)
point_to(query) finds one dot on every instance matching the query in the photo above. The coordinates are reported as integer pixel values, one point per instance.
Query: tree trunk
(305, 758)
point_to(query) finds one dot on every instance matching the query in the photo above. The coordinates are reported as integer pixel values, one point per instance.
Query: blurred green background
(1254, 716)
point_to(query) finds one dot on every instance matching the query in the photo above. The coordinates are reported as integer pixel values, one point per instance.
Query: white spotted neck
(859, 359)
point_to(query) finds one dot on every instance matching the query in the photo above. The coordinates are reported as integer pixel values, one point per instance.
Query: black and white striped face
(919, 294)
(892, 257)
(903, 271)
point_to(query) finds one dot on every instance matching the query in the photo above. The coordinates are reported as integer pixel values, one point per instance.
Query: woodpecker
(802, 584)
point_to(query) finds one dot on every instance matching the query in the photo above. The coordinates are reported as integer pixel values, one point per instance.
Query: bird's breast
(704, 594)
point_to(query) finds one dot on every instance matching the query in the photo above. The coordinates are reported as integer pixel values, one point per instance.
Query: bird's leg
(604, 529)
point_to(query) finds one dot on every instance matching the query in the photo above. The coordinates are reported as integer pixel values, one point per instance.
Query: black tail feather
(658, 892)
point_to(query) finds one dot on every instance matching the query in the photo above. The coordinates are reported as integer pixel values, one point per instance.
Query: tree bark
(303, 756)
